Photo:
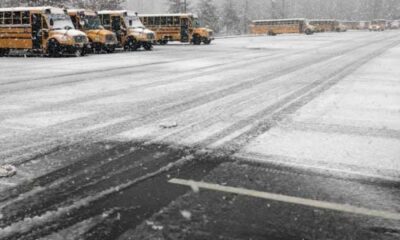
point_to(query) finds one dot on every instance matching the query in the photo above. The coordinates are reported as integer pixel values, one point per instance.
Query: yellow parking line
(289, 199)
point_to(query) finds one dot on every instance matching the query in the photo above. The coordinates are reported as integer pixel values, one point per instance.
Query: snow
(215, 94)
(354, 124)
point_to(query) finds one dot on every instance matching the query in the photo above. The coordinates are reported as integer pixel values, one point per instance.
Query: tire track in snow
(266, 120)
(167, 109)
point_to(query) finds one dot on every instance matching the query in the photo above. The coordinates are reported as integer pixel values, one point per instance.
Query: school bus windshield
(133, 22)
(197, 23)
(61, 21)
(92, 22)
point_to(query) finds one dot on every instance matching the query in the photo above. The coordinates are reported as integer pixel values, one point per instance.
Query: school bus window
(16, 17)
(151, 21)
(1, 18)
(156, 21)
(74, 20)
(7, 18)
(163, 21)
(144, 20)
(25, 18)
(106, 20)
(176, 21)
(169, 21)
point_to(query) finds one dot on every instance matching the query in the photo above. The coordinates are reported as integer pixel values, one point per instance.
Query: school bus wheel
(148, 46)
(4, 51)
(53, 48)
(207, 41)
(80, 52)
(308, 31)
(96, 47)
(131, 45)
(271, 33)
(109, 49)
(163, 41)
(196, 39)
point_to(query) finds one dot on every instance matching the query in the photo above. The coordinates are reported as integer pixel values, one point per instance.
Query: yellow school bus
(323, 25)
(378, 25)
(181, 27)
(89, 22)
(130, 31)
(279, 26)
(40, 29)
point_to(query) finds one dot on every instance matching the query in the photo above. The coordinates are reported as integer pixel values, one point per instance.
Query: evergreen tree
(208, 14)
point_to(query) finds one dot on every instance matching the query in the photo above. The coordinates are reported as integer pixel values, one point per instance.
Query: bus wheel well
(53, 47)
(131, 44)
(196, 39)
(308, 31)
(4, 51)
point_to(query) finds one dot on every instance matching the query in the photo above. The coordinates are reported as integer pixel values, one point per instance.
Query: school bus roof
(278, 20)
(36, 9)
(84, 11)
(167, 15)
(322, 20)
(118, 12)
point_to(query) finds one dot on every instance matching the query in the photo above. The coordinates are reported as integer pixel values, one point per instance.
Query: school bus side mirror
(51, 22)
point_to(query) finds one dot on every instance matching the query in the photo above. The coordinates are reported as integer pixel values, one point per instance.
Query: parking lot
(100, 142)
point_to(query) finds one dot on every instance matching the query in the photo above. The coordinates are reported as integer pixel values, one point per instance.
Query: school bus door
(36, 20)
(117, 27)
(184, 30)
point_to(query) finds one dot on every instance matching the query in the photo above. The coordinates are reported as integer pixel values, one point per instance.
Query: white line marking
(289, 199)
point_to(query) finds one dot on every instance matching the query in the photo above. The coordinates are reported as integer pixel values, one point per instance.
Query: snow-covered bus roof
(81, 10)
(53, 10)
(322, 20)
(167, 15)
(122, 12)
(278, 20)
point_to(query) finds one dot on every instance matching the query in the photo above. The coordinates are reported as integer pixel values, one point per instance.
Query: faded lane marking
(289, 199)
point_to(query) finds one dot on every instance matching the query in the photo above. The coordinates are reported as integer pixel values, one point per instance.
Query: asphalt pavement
(286, 137)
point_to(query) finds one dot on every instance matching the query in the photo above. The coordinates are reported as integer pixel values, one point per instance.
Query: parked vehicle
(181, 27)
(130, 31)
(280, 26)
(323, 25)
(378, 25)
(46, 30)
(89, 22)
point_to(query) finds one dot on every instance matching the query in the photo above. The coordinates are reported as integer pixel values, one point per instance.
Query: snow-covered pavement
(327, 103)
(351, 128)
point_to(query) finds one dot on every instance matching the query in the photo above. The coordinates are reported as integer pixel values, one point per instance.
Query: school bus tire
(163, 41)
(196, 40)
(131, 45)
(53, 48)
(207, 41)
(147, 46)
(271, 33)
(308, 32)
(4, 51)
(96, 47)
(109, 49)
